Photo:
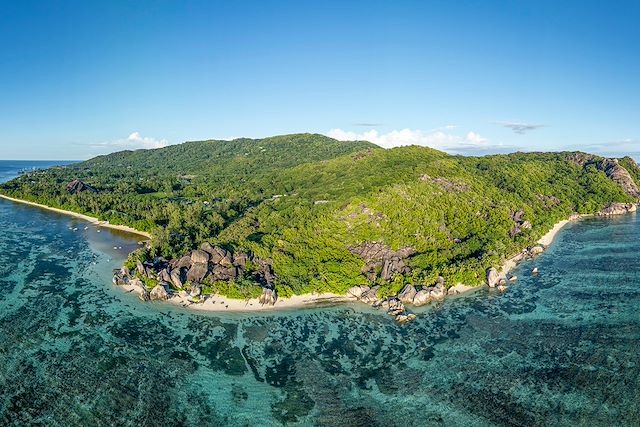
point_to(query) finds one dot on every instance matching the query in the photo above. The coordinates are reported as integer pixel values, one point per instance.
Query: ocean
(559, 348)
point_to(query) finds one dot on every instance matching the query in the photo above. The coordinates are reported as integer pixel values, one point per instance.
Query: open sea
(559, 349)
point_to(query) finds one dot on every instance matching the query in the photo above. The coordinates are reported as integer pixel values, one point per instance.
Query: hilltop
(306, 213)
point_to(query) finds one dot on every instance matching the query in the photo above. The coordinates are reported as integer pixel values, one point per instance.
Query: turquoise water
(557, 349)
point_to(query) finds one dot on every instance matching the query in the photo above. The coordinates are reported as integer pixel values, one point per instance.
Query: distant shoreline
(92, 220)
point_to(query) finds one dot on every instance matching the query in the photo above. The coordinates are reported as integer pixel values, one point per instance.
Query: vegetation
(304, 201)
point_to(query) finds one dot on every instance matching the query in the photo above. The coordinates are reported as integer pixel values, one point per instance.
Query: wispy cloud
(519, 127)
(367, 124)
(468, 143)
(134, 141)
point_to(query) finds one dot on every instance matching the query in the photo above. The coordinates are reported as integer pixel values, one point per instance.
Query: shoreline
(221, 304)
(218, 303)
(90, 219)
(546, 240)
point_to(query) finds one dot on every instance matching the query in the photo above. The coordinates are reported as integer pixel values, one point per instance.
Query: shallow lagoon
(556, 349)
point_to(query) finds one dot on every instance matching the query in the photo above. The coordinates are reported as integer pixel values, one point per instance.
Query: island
(251, 224)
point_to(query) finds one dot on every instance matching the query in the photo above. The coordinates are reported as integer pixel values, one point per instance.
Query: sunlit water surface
(557, 349)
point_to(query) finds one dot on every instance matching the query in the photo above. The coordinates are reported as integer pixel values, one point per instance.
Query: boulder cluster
(77, 186)
(381, 261)
(520, 223)
(395, 305)
(612, 168)
(617, 209)
(620, 175)
(500, 281)
(186, 274)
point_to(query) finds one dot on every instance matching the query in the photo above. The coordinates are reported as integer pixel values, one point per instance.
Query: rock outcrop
(195, 267)
(520, 223)
(196, 290)
(422, 297)
(269, 297)
(445, 184)
(159, 293)
(379, 257)
(370, 296)
(492, 277)
(619, 175)
(197, 272)
(177, 278)
(611, 168)
(407, 294)
(140, 289)
(357, 291)
(535, 250)
(77, 186)
(617, 209)
(199, 257)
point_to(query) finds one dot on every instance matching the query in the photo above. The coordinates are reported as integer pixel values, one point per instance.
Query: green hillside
(312, 206)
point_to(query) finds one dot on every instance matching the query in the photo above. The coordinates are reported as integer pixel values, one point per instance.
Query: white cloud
(134, 141)
(138, 141)
(471, 142)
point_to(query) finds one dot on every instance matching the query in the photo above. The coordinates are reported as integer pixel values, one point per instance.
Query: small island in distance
(279, 217)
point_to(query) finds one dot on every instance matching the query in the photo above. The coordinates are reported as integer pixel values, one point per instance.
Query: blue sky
(83, 78)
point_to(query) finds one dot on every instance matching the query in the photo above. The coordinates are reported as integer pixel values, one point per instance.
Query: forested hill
(326, 215)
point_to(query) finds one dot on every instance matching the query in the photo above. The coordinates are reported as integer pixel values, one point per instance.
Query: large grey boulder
(370, 296)
(269, 296)
(492, 277)
(196, 290)
(164, 275)
(240, 259)
(177, 278)
(617, 209)
(140, 289)
(216, 253)
(208, 248)
(438, 292)
(381, 258)
(142, 269)
(404, 318)
(159, 293)
(226, 260)
(120, 279)
(357, 291)
(222, 273)
(536, 250)
(422, 297)
(184, 262)
(198, 272)
(199, 257)
(394, 306)
(407, 294)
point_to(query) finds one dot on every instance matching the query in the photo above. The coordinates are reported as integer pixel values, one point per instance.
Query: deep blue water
(9, 169)
(560, 348)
